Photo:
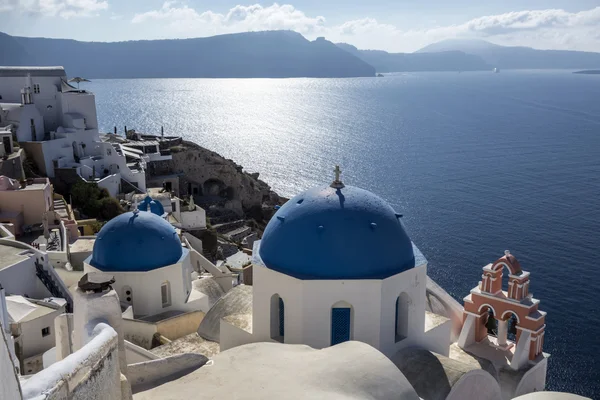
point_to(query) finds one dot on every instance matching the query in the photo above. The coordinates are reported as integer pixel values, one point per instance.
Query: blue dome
(327, 233)
(136, 241)
(155, 206)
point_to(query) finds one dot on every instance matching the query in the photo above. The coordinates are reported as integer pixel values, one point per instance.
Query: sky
(392, 25)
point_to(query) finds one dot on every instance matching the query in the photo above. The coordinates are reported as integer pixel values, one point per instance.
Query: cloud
(548, 29)
(55, 8)
(237, 19)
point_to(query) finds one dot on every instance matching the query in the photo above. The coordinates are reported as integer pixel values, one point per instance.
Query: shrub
(95, 202)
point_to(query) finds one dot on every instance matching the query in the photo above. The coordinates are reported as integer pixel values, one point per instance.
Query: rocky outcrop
(214, 181)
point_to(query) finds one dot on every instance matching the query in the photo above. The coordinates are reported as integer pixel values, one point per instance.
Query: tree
(95, 202)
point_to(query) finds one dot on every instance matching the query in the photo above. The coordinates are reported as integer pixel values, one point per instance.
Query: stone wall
(90, 373)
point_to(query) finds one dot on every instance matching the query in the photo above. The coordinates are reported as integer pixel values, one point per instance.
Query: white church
(335, 264)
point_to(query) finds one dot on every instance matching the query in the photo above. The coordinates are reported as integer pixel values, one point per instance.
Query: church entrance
(340, 324)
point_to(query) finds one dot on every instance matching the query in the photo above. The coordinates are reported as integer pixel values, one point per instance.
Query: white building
(57, 126)
(335, 264)
(187, 215)
(27, 271)
(32, 327)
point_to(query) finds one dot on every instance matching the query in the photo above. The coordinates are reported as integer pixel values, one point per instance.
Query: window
(33, 135)
(36, 88)
(45, 331)
(127, 294)
(165, 294)
(402, 311)
(277, 318)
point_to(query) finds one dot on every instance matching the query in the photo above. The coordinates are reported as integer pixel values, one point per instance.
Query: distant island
(273, 54)
(517, 57)
(473, 55)
(269, 54)
(588, 72)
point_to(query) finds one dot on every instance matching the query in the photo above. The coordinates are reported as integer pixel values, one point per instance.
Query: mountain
(470, 46)
(11, 51)
(507, 57)
(404, 62)
(269, 54)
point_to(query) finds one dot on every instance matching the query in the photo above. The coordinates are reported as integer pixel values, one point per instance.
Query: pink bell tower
(489, 310)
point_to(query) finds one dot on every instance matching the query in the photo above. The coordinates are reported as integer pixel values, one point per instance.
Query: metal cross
(337, 171)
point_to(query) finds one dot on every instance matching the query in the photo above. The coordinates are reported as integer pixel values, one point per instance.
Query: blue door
(340, 325)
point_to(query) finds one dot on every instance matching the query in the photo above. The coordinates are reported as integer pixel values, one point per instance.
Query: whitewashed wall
(308, 306)
(145, 287)
(31, 339)
(91, 373)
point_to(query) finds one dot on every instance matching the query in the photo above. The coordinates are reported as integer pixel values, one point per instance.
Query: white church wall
(319, 297)
(266, 284)
(413, 283)
(146, 288)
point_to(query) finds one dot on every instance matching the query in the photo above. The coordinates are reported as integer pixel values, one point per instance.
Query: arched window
(341, 322)
(402, 314)
(277, 318)
(165, 294)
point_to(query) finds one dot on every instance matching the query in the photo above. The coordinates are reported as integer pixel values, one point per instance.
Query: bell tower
(491, 315)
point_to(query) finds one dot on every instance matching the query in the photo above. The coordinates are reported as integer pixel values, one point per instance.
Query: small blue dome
(136, 241)
(155, 206)
(328, 233)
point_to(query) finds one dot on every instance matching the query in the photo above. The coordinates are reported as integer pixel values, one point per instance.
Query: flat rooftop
(9, 255)
(83, 245)
(8, 72)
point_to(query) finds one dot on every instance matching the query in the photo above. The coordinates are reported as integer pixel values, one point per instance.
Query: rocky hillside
(219, 185)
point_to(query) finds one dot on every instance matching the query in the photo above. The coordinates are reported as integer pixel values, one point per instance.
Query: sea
(477, 163)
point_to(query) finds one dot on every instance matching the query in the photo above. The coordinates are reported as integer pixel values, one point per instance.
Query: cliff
(218, 185)
(269, 54)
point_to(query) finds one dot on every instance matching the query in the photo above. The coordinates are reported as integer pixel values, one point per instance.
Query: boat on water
(496, 70)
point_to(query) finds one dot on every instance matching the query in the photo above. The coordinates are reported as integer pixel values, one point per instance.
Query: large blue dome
(136, 241)
(329, 233)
